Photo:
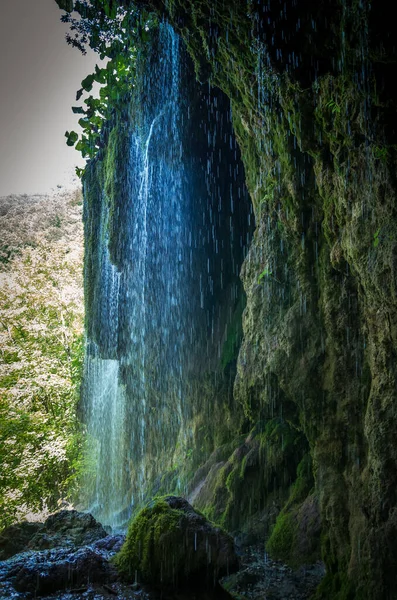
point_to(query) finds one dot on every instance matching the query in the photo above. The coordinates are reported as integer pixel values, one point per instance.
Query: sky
(39, 77)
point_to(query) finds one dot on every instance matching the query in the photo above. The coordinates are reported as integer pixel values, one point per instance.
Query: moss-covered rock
(170, 545)
(244, 485)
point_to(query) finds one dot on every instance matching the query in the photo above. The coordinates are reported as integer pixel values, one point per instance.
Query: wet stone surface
(75, 570)
(261, 578)
(66, 528)
(44, 573)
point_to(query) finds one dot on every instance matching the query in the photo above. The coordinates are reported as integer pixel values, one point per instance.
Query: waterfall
(163, 300)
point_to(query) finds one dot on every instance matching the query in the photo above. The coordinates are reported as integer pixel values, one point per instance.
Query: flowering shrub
(41, 351)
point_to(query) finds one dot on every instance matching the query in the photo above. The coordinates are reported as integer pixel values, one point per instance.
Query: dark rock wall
(314, 113)
(310, 84)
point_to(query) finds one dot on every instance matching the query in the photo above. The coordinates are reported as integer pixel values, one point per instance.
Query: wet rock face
(44, 572)
(320, 331)
(172, 546)
(66, 528)
(16, 538)
(261, 577)
(48, 571)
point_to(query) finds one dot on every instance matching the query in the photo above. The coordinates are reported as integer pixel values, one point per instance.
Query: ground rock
(260, 577)
(16, 538)
(39, 573)
(45, 572)
(66, 528)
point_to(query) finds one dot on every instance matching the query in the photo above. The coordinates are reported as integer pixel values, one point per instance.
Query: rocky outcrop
(69, 551)
(49, 571)
(66, 528)
(311, 90)
(172, 546)
(16, 538)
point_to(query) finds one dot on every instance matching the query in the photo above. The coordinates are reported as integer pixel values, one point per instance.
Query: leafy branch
(116, 32)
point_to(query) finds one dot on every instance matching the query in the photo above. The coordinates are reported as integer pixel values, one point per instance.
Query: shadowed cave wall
(313, 423)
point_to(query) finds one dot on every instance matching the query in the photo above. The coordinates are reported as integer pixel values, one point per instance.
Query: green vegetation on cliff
(116, 31)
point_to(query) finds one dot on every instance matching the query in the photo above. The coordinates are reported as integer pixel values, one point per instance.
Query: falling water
(167, 300)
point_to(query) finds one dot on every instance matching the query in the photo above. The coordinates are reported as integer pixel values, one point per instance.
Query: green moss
(283, 537)
(338, 587)
(304, 482)
(234, 336)
(234, 477)
(257, 473)
(170, 547)
(153, 545)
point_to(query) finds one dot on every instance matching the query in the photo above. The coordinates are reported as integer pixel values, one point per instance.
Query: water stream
(168, 300)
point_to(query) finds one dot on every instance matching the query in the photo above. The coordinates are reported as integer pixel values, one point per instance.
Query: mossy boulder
(170, 545)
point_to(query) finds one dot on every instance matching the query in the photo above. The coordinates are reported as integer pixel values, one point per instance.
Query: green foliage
(116, 32)
(265, 273)
(71, 138)
(41, 356)
(65, 5)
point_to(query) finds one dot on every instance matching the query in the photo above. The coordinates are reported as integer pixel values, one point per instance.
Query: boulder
(66, 528)
(48, 571)
(170, 545)
(16, 538)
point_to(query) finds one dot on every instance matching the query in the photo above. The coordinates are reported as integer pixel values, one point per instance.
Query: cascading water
(166, 299)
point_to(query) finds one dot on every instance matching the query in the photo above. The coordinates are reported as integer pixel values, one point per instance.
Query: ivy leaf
(87, 83)
(84, 123)
(100, 75)
(79, 93)
(78, 110)
(71, 137)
